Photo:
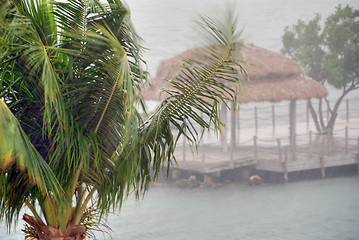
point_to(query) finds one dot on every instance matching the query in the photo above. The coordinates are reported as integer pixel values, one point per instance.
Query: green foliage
(70, 136)
(304, 42)
(328, 55)
(342, 42)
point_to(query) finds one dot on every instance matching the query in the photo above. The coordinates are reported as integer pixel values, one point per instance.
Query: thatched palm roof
(272, 76)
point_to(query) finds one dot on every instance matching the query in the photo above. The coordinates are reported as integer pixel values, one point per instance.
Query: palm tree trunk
(46, 232)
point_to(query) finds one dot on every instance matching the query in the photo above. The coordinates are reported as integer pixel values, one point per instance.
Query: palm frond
(22, 167)
(199, 88)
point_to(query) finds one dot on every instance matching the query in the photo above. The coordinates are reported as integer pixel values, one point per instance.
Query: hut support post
(233, 133)
(233, 128)
(223, 116)
(292, 124)
(358, 156)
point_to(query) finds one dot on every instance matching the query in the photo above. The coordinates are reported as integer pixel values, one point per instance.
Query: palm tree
(71, 136)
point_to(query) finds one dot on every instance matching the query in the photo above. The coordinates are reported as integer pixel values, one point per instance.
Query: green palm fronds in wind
(71, 135)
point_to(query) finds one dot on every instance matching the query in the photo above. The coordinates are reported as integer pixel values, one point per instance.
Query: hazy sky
(166, 25)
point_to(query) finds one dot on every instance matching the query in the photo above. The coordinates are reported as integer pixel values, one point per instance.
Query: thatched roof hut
(272, 76)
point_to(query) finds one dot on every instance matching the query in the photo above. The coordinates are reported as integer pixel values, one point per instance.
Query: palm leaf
(199, 88)
(21, 165)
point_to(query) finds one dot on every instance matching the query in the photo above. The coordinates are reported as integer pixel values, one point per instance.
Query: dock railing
(255, 140)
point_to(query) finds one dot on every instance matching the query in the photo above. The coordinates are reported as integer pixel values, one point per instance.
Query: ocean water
(312, 210)
(320, 210)
(325, 209)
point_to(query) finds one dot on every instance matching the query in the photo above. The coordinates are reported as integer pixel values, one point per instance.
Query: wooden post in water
(358, 156)
(273, 121)
(322, 166)
(285, 165)
(256, 119)
(321, 158)
(346, 140)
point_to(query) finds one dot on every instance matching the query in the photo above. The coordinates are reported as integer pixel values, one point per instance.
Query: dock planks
(212, 159)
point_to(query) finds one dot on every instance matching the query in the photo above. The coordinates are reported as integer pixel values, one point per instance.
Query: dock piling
(322, 166)
(285, 166)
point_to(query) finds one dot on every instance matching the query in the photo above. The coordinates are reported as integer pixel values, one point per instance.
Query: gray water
(321, 210)
(312, 210)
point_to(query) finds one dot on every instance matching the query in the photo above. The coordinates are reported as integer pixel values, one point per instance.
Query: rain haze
(316, 209)
(221, 204)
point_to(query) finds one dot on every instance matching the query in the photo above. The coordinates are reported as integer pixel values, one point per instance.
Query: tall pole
(233, 127)
(292, 124)
(223, 116)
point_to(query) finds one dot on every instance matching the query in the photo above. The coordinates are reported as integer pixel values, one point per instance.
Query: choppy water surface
(318, 210)
(312, 210)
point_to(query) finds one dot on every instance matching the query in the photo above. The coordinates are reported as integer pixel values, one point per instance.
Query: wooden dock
(275, 146)
(321, 153)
